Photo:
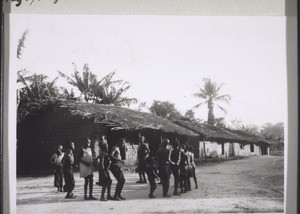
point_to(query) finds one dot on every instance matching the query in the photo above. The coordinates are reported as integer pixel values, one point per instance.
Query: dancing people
(189, 168)
(156, 157)
(193, 171)
(183, 169)
(152, 175)
(68, 161)
(97, 146)
(164, 167)
(56, 161)
(175, 157)
(142, 154)
(104, 177)
(86, 169)
(115, 168)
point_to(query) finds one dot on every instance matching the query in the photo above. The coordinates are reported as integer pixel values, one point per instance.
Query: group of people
(63, 169)
(170, 158)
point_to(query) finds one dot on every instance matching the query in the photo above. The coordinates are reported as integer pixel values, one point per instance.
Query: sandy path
(248, 185)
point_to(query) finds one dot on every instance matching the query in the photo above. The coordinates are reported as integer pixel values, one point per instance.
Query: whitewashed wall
(131, 154)
(214, 149)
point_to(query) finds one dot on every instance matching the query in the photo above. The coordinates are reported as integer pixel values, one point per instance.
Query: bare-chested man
(164, 160)
(68, 161)
(115, 168)
(142, 154)
(175, 157)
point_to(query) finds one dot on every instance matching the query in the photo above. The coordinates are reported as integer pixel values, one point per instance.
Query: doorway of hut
(264, 149)
(112, 139)
(223, 149)
(252, 148)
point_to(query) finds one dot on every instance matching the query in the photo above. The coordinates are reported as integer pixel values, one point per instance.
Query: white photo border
(286, 8)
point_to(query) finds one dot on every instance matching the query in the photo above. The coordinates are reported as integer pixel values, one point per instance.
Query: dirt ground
(252, 185)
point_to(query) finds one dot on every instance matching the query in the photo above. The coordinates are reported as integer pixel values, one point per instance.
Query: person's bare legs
(109, 197)
(195, 180)
(144, 176)
(86, 181)
(141, 179)
(103, 192)
(91, 185)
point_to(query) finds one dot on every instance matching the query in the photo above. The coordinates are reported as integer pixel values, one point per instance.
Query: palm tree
(33, 91)
(83, 83)
(66, 94)
(210, 93)
(113, 94)
(104, 91)
(21, 43)
(36, 86)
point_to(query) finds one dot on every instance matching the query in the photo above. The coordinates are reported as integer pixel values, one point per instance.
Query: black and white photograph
(149, 113)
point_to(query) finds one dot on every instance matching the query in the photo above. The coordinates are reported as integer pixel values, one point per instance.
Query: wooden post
(204, 149)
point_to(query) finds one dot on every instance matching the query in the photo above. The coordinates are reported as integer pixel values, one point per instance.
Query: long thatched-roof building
(216, 141)
(61, 121)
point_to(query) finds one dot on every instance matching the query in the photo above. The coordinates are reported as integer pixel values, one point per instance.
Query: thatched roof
(122, 118)
(249, 137)
(214, 133)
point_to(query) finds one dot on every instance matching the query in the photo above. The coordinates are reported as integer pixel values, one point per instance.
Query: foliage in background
(113, 93)
(103, 91)
(250, 129)
(66, 94)
(165, 109)
(274, 133)
(36, 92)
(21, 43)
(271, 132)
(142, 106)
(190, 114)
(220, 122)
(85, 82)
(210, 93)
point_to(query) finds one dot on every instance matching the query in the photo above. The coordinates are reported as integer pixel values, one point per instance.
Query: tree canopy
(34, 91)
(190, 114)
(165, 109)
(273, 132)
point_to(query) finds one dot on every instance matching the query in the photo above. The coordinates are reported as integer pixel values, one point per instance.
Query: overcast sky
(166, 57)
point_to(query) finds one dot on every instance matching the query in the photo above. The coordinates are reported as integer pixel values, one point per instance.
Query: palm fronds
(21, 43)
(104, 91)
(210, 93)
(36, 92)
